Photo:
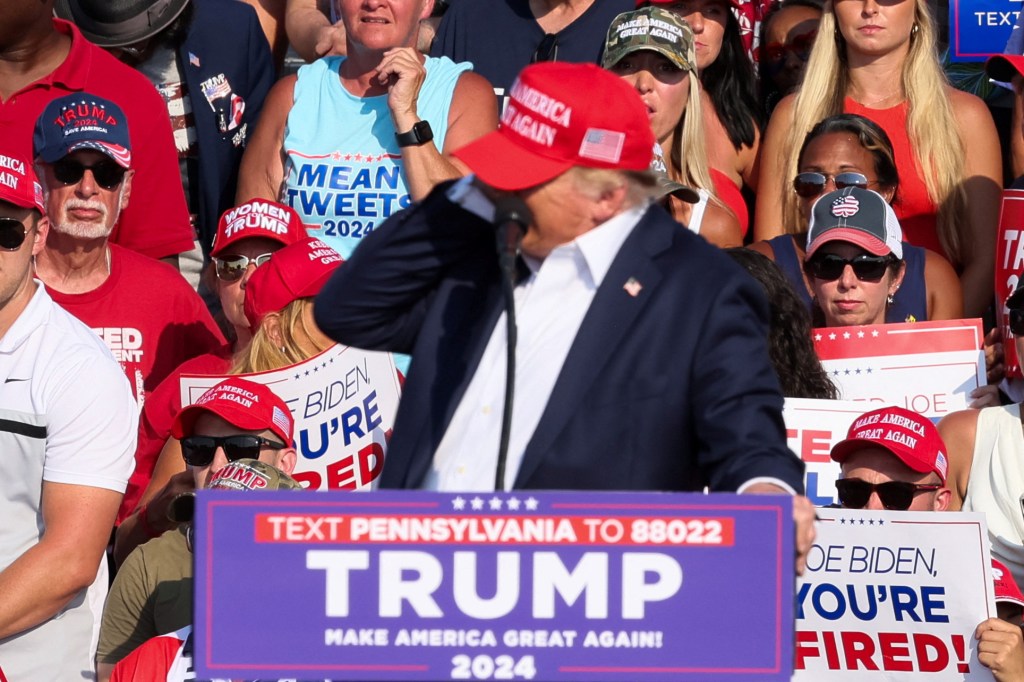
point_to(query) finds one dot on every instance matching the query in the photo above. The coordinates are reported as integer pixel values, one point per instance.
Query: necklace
(875, 102)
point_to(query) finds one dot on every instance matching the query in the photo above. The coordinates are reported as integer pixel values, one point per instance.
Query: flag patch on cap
(845, 207)
(281, 420)
(602, 145)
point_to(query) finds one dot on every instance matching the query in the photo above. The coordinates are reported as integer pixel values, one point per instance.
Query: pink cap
(909, 436)
(299, 270)
(245, 404)
(19, 185)
(257, 218)
(561, 115)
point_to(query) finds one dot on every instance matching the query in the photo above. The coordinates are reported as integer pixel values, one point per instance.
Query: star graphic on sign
(874, 332)
(846, 335)
(459, 503)
(881, 522)
(857, 371)
(324, 365)
(513, 503)
(331, 361)
(348, 157)
(531, 504)
(817, 337)
(847, 372)
(871, 522)
(868, 370)
(336, 156)
(860, 335)
(842, 522)
(315, 369)
(358, 157)
(495, 503)
(862, 522)
(476, 503)
(297, 376)
(307, 372)
(831, 337)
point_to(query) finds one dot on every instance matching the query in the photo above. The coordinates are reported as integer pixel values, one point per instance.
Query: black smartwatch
(420, 134)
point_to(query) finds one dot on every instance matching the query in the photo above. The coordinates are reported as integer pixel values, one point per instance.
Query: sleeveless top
(344, 173)
(730, 195)
(910, 303)
(913, 207)
(997, 481)
(697, 211)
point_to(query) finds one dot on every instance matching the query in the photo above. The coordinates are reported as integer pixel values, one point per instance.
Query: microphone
(512, 217)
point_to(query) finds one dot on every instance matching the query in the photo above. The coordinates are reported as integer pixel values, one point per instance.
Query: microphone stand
(512, 217)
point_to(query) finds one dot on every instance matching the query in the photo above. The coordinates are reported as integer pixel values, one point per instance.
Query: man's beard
(85, 229)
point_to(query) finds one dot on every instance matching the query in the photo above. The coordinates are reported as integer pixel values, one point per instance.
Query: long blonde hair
(931, 125)
(688, 158)
(263, 353)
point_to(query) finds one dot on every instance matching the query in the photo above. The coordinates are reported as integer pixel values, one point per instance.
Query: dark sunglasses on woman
(198, 451)
(854, 493)
(107, 173)
(12, 234)
(830, 267)
(231, 268)
(811, 184)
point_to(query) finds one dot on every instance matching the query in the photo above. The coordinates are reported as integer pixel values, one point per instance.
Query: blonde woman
(653, 50)
(879, 61)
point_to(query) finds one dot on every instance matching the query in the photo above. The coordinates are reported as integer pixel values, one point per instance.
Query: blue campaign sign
(980, 28)
(494, 586)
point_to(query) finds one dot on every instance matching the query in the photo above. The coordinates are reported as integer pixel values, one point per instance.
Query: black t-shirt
(500, 37)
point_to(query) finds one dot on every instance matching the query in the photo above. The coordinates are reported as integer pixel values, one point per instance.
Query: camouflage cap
(650, 28)
(242, 474)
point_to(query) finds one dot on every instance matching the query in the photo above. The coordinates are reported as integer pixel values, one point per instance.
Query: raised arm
(262, 170)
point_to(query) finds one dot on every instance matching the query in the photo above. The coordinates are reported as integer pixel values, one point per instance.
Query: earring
(889, 299)
(913, 31)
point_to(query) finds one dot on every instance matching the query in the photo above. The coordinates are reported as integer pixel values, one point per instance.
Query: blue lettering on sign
(355, 422)
(811, 484)
(907, 603)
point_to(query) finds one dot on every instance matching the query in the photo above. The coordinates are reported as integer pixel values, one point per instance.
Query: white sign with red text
(927, 367)
(812, 428)
(344, 403)
(894, 596)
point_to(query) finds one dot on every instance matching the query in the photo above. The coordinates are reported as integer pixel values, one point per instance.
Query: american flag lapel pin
(632, 287)
(193, 60)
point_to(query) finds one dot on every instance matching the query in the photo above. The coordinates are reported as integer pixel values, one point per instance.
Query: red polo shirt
(156, 222)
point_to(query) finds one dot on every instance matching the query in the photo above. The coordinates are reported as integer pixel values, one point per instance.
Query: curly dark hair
(732, 86)
(789, 335)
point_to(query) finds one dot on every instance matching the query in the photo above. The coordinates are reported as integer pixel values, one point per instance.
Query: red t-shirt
(162, 405)
(912, 206)
(148, 316)
(156, 222)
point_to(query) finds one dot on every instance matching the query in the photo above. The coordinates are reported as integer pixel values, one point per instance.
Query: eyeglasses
(854, 493)
(1017, 321)
(800, 47)
(107, 173)
(547, 50)
(810, 184)
(830, 267)
(198, 451)
(12, 234)
(231, 268)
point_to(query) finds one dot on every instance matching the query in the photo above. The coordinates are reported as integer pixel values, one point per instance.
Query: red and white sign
(812, 428)
(1009, 264)
(927, 367)
(344, 403)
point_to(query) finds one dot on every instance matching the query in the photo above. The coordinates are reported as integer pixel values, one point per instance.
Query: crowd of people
(681, 191)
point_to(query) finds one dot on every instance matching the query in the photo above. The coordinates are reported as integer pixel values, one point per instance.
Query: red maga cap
(245, 404)
(299, 270)
(19, 185)
(909, 436)
(561, 115)
(1006, 586)
(1003, 67)
(257, 218)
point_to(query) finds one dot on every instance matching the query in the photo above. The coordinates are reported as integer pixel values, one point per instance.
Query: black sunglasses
(12, 234)
(830, 267)
(231, 268)
(810, 184)
(854, 493)
(547, 50)
(1017, 321)
(198, 451)
(107, 173)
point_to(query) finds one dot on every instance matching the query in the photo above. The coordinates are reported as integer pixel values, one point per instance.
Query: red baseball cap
(257, 218)
(909, 436)
(19, 185)
(245, 404)
(1006, 586)
(297, 271)
(1003, 67)
(561, 115)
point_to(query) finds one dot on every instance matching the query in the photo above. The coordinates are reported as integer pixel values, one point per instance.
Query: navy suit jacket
(671, 389)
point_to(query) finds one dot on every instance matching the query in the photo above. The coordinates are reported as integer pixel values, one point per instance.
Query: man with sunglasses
(236, 419)
(67, 434)
(147, 314)
(892, 459)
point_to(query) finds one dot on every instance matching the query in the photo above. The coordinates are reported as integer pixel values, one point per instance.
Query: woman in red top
(879, 61)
